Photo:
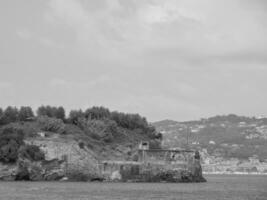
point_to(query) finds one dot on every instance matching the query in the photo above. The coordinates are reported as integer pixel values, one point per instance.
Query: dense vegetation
(98, 123)
(12, 146)
(54, 118)
(10, 142)
(131, 121)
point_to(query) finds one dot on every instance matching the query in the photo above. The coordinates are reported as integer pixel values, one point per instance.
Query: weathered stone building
(155, 165)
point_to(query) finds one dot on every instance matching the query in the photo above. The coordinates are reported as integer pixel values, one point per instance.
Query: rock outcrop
(8, 172)
(25, 169)
(41, 170)
(78, 159)
(63, 158)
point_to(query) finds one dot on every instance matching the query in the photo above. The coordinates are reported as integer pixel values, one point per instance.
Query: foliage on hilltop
(45, 113)
(51, 111)
(97, 127)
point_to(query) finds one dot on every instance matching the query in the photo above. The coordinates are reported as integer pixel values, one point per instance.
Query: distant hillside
(228, 137)
(227, 144)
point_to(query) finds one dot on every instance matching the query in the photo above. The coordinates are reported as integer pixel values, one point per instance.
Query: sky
(175, 59)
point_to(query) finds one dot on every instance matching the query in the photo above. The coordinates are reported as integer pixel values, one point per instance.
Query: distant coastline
(234, 173)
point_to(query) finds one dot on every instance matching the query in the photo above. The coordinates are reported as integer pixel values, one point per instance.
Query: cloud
(58, 82)
(187, 57)
(165, 12)
(201, 30)
(98, 81)
(70, 11)
(24, 34)
(186, 89)
(47, 42)
(5, 85)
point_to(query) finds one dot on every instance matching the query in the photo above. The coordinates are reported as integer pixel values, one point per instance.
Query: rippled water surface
(219, 187)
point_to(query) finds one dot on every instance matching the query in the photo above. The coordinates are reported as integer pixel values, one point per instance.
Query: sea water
(221, 187)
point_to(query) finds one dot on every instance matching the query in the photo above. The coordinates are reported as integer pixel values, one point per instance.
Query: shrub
(81, 145)
(31, 152)
(10, 141)
(129, 121)
(152, 133)
(51, 124)
(99, 129)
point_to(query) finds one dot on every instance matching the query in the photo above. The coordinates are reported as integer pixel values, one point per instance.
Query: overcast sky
(164, 59)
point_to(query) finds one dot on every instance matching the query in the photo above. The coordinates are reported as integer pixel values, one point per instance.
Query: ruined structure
(156, 165)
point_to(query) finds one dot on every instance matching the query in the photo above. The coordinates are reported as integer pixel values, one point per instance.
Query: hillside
(228, 139)
(82, 139)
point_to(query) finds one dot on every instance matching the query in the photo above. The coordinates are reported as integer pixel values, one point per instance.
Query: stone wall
(155, 170)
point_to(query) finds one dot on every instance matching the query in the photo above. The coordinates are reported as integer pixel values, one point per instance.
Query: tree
(75, 115)
(97, 113)
(25, 113)
(42, 111)
(1, 116)
(129, 121)
(10, 115)
(50, 111)
(60, 113)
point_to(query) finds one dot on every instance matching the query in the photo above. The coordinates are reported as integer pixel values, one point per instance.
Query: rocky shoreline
(56, 170)
(82, 165)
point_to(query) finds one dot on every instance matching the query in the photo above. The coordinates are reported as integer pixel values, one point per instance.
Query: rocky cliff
(63, 158)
